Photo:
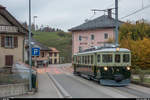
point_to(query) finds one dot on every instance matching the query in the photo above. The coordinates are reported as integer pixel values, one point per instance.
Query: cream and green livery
(108, 65)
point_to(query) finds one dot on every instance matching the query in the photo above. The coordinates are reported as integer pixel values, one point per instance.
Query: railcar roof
(106, 50)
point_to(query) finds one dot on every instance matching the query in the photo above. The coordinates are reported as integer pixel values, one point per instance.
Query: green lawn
(62, 42)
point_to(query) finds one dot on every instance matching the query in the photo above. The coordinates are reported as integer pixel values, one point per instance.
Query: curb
(141, 84)
(64, 93)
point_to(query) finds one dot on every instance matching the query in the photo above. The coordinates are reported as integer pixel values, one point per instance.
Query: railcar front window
(126, 58)
(117, 58)
(98, 58)
(107, 58)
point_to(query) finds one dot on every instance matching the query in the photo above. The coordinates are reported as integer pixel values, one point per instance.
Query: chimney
(2, 7)
(110, 13)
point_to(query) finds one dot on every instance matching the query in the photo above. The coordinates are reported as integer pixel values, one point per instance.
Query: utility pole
(142, 4)
(30, 57)
(116, 22)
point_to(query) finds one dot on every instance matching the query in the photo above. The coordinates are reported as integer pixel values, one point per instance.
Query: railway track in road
(70, 83)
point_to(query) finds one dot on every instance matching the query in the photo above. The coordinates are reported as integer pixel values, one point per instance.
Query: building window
(92, 37)
(55, 54)
(55, 61)
(80, 49)
(106, 36)
(42, 54)
(50, 54)
(80, 38)
(9, 42)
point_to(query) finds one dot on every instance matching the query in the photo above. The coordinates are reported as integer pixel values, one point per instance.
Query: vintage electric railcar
(109, 65)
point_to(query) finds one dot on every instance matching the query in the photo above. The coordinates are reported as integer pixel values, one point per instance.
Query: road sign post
(30, 57)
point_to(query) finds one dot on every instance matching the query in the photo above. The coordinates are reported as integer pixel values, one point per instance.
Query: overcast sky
(65, 14)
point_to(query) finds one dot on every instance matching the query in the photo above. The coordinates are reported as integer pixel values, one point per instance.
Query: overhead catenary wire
(109, 7)
(148, 6)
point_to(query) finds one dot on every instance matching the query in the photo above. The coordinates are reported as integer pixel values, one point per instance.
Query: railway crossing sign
(35, 51)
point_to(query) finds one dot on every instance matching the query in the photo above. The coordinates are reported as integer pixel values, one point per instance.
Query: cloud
(65, 14)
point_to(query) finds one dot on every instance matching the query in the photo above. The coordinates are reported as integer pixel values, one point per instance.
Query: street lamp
(30, 59)
(34, 17)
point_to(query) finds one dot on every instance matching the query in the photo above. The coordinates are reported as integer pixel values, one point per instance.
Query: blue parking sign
(35, 51)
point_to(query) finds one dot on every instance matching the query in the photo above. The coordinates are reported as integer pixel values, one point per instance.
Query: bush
(61, 34)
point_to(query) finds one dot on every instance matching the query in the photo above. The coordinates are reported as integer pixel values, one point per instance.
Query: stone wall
(13, 90)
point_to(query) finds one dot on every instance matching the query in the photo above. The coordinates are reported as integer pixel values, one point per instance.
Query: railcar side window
(98, 58)
(92, 59)
(107, 58)
(126, 58)
(73, 59)
(88, 59)
(85, 59)
(76, 59)
(82, 59)
(117, 58)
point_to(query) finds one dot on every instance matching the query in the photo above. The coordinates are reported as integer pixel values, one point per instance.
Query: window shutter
(2, 41)
(16, 42)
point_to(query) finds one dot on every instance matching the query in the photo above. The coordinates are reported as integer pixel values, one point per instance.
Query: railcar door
(92, 66)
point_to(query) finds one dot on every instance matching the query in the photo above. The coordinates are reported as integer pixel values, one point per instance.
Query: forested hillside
(60, 40)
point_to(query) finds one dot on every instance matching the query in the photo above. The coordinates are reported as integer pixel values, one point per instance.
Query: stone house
(12, 39)
(92, 33)
(47, 56)
(54, 57)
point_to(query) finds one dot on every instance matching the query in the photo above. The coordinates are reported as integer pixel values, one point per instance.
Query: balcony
(9, 29)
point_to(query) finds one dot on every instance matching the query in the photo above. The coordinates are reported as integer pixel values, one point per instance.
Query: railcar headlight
(117, 49)
(105, 68)
(128, 68)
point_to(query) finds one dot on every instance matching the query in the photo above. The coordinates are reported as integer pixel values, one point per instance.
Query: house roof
(53, 49)
(42, 46)
(39, 45)
(12, 20)
(2, 6)
(98, 23)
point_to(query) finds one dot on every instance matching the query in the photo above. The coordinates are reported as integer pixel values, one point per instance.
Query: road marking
(59, 87)
(109, 92)
(59, 94)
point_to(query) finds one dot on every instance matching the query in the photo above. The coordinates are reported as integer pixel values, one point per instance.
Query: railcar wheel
(89, 77)
(75, 73)
(79, 74)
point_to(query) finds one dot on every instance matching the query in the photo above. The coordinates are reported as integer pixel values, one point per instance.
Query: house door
(50, 61)
(9, 60)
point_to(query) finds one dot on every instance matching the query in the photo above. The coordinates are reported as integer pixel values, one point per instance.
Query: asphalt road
(79, 87)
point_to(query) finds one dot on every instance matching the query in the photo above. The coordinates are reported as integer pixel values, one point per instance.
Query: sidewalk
(45, 88)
